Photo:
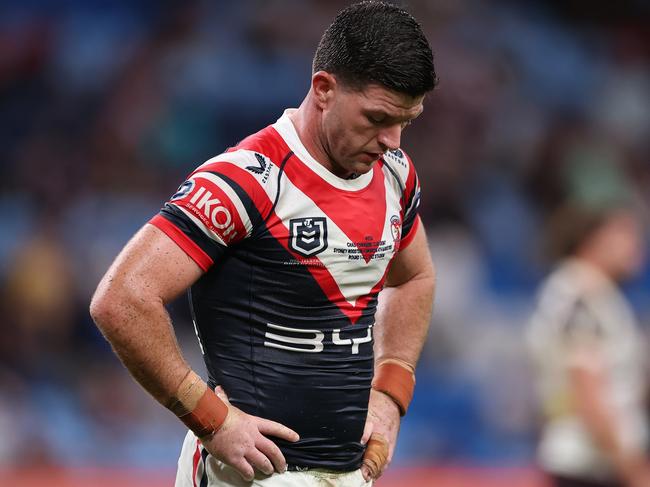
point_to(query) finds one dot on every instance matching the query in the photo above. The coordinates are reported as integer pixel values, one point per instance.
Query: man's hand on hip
(242, 442)
(379, 434)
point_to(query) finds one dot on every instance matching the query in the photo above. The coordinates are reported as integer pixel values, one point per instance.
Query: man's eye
(375, 120)
(406, 124)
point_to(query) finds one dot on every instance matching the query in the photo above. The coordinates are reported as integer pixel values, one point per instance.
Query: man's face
(359, 126)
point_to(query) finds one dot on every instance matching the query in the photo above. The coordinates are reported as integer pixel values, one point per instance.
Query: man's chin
(370, 157)
(355, 168)
(364, 163)
(360, 168)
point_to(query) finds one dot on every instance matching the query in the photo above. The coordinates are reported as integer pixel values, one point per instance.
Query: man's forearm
(129, 309)
(141, 334)
(403, 317)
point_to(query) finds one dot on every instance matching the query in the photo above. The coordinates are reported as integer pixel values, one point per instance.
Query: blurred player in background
(589, 351)
(285, 242)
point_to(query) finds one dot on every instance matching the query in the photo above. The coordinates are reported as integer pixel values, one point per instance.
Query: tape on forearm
(395, 378)
(198, 407)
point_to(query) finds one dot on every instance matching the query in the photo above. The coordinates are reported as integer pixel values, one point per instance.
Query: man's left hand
(380, 434)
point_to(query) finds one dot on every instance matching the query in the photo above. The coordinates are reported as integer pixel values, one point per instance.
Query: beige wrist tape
(376, 455)
(395, 378)
(198, 407)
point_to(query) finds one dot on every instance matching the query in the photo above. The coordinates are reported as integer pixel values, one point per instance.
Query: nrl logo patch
(308, 236)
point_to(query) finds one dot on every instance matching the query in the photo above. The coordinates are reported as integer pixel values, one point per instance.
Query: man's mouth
(373, 155)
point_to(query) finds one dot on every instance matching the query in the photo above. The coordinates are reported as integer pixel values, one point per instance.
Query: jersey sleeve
(220, 204)
(410, 205)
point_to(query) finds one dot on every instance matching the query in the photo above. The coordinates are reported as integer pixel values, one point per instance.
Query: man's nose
(389, 137)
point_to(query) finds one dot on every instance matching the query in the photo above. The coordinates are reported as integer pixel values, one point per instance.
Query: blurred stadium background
(105, 106)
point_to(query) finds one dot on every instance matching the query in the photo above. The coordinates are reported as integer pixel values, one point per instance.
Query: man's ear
(323, 85)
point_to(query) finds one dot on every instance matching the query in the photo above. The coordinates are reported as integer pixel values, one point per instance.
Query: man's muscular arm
(129, 309)
(401, 327)
(405, 304)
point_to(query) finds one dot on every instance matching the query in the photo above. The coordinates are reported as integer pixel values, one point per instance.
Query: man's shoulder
(259, 155)
(266, 142)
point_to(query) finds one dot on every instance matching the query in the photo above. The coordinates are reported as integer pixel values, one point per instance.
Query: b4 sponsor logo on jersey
(308, 236)
(312, 341)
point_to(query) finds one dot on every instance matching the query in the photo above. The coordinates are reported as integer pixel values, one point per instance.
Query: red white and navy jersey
(294, 258)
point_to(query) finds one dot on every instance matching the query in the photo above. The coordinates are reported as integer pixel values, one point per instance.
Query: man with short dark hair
(310, 279)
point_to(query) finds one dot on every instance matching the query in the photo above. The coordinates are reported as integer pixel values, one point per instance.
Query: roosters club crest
(395, 227)
(308, 236)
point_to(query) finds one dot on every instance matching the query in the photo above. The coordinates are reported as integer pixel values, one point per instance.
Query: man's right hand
(242, 442)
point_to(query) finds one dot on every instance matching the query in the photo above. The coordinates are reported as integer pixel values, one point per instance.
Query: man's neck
(306, 121)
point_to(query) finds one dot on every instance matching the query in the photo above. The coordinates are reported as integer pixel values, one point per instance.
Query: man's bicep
(152, 265)
(414, 262)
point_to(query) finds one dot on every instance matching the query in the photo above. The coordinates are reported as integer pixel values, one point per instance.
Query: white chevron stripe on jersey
(267, 178)
(393, 194)
(399, 163)
(354, 278)
(226, 188)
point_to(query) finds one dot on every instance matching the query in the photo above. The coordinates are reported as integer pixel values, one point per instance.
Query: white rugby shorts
(196, 468)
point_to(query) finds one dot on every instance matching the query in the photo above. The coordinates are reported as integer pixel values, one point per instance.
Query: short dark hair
(376, 42)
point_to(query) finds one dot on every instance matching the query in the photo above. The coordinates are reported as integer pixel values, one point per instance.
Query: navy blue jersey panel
(282, 350)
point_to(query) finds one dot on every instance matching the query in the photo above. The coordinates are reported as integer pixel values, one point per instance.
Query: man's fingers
(268, 427)
(366, 473)
(243, 468)
(257, 459)
(272, 452)
(375, 457)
